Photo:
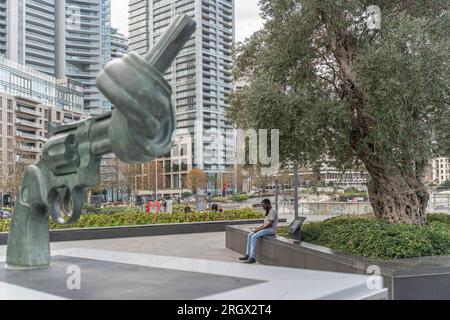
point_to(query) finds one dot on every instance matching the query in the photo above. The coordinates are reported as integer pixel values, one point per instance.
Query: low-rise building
(29, 101)
(166, 176)
(439, 170)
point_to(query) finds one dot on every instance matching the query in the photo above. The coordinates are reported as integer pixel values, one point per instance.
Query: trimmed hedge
(240, 197)
(4, 225)
(234, 198)
(129, 217)
(377, 239)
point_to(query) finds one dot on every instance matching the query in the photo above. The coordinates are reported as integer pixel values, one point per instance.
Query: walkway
(210, 246)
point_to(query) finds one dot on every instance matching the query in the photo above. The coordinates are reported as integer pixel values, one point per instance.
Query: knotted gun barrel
(140, 128)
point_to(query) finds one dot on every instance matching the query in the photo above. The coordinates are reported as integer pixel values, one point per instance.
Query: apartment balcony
(81, 74)
(83, 60)
(90, 88)
(82, 37)
(82, 44)
(28, 149)
(28, 124)
(40, 15)
(88, 5)
(93, 96)
(41, 62)
(86, 15)
(28, 136)
(28, 111)
(27, 161)
(46, 32)
(40, 45)
(83, 51)
(85, 30)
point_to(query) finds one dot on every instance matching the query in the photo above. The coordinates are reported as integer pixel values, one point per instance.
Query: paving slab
(123, 275)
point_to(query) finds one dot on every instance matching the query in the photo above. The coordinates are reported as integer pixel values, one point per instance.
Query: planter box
(138, 231)
(418, 278)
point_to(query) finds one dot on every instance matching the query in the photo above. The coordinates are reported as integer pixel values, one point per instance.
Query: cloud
(247, 17)
(119, 15)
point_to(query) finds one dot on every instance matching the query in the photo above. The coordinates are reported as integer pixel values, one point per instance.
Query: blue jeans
(253, 238)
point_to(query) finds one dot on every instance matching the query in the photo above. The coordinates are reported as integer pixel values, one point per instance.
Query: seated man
(269, 228)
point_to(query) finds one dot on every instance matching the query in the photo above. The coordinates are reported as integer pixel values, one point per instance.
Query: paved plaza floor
(210, 246)
(108, 275)
(185, 266)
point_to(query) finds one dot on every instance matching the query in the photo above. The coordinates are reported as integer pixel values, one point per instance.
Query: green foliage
(377, 239)
(130, 217)
(294, 82)
(446, 185)
(91, 208)
(235, 197)
(220, 199)
(439, 217)
(240, 197)
(4, 225)
(347, 95)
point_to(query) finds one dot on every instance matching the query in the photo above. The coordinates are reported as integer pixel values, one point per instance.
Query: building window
(176, 182)
(10, 117)
(168, 184)
(183, 150)
(10, 104)
(183, 181)
(10, 131)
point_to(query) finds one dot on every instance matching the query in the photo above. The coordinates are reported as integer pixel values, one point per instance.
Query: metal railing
(439, 202)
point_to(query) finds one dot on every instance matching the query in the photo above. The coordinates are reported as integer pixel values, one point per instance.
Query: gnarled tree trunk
(398, 196)
(397, 193)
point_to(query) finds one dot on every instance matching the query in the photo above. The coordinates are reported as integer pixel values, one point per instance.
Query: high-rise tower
(201, 76)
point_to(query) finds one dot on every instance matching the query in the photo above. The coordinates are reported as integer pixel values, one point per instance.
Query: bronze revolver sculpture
(139, 130)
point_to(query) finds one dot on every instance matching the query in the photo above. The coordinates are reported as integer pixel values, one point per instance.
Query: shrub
(90, 208)
(131, 216)
(377, 239)
(4, 225)
(220, 199)
(240, 197)
(439, 217)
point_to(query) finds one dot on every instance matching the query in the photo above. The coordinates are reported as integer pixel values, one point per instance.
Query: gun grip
(28, 239)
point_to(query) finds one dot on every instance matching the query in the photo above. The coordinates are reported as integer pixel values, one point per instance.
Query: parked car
(5, 214)
(97, 201)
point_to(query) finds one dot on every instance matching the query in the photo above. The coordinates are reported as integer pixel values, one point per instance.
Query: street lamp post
(296, 191)
(276, 192)
(156, 180)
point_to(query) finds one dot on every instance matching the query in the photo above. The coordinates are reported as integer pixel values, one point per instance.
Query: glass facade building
(24, 82)
(201, 76)
(3, 28)
(29, 101)
(119, 44)
(88, 47)
(61, 38)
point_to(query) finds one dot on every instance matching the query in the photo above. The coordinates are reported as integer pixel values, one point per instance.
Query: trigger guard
(56, 204)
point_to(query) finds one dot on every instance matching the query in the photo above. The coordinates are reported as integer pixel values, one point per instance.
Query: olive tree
(341, 88)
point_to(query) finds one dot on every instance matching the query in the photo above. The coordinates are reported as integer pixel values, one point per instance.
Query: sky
(247, 17)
